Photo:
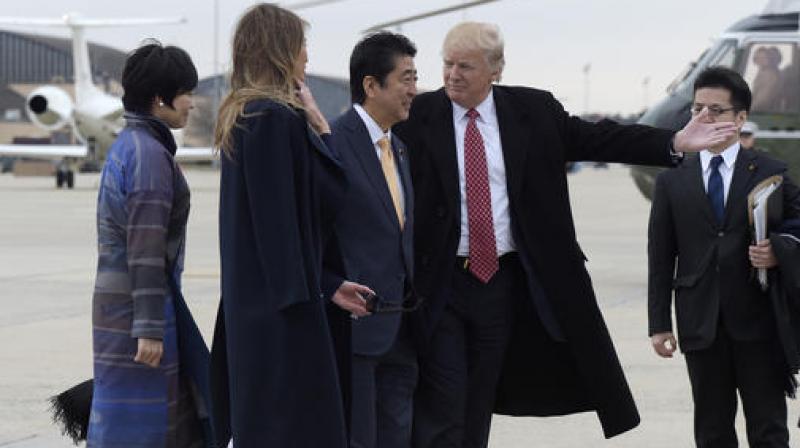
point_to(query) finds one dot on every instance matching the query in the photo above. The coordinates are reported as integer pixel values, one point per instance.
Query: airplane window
(771, 70)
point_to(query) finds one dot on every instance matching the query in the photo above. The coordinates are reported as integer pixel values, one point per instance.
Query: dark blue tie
(716, 191)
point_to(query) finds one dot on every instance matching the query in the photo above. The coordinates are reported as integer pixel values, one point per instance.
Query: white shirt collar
(728, 156)
(375, 131)
(486, 110)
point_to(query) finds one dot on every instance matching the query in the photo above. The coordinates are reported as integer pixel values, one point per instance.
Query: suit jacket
(373, 249)
(713, 280)
(274, 376)
(564, 330)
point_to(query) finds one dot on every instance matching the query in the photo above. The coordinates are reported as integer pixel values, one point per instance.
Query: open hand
(699, 134)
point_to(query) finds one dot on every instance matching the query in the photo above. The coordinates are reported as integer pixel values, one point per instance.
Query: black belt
(508, 257)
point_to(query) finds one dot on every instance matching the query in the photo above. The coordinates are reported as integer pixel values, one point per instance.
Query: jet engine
(49, 107)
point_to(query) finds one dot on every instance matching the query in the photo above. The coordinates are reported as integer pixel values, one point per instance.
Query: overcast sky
(548, 42)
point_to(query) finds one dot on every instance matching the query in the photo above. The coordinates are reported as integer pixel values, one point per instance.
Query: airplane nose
(38, 104)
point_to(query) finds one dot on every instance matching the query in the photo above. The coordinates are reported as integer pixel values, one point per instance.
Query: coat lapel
(364, 150)
(512, 140)
(743, 171)
(693, 181)
(405, 174)
(322, 148)
(439, 123)
(408, 193)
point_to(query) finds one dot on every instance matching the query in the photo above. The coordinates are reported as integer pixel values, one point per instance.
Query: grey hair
(485, 37)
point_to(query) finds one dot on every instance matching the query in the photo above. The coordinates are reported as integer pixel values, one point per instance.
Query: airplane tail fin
(84, 86)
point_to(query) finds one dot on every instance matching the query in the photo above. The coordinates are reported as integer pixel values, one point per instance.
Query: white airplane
(95, 117)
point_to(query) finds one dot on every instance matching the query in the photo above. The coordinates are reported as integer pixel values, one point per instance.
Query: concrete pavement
(48, 256)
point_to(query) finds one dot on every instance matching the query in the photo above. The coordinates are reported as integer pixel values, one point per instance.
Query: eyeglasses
(376, 304)
(713, 111)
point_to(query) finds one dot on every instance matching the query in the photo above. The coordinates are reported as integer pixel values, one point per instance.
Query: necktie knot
(473, 114)
(716, 161)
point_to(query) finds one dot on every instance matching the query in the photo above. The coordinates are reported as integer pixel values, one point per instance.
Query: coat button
(721, 233)
(440, 212)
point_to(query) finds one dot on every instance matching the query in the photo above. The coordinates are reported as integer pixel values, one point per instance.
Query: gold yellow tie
(390, 173)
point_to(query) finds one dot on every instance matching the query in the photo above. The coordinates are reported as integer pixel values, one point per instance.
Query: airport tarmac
(47, 262)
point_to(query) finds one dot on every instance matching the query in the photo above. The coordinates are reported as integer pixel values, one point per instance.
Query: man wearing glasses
(726, 325)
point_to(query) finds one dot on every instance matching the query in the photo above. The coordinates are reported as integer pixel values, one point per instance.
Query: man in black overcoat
(511, 320)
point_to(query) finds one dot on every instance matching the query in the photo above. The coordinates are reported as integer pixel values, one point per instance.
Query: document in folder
(765, 207)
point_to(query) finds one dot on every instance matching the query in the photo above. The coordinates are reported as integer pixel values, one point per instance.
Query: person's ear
(495, 76)
(741, 118)
(370, 85)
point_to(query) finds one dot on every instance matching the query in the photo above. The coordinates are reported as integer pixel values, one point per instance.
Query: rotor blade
(425, 15)
(309, 4)
(127, 22)
(31, 21)
(76, 20)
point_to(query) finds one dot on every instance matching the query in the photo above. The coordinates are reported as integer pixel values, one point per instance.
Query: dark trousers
(383, 396)
(461, 366)
(754, 369)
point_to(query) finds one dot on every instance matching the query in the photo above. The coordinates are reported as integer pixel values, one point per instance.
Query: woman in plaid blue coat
(148, 387)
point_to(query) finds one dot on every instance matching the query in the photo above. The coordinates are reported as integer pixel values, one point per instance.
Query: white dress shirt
(490, 132)
(375, 134)
(725, 168)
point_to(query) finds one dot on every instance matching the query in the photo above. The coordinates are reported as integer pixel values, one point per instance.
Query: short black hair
(154, 70)
(375, 56)
(725, 78)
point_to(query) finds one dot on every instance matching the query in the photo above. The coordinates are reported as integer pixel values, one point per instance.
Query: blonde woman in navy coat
(274, 375)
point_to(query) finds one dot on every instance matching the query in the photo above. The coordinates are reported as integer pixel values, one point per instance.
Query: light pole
(586, 70)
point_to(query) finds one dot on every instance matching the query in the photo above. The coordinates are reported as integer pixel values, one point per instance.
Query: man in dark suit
(726, 324)
(511, 322)
(375, 239)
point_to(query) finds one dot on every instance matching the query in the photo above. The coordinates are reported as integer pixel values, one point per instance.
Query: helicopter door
(772, 69)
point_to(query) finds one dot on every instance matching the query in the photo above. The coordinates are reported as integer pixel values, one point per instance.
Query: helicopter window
(771, 69)
(725, 57)
(724, 53)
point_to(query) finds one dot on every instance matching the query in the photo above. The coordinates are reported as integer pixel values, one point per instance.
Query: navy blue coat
(374, 250)
(274, 377)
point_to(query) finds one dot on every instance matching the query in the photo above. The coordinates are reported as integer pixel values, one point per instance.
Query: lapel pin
(751, 167)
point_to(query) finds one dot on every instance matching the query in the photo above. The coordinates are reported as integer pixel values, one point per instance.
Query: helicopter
(765, 50)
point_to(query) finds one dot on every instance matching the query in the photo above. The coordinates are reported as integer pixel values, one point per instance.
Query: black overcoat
(561, 359)
(274, 377)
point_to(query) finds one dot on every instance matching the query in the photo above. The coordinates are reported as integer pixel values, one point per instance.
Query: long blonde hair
(266, 45)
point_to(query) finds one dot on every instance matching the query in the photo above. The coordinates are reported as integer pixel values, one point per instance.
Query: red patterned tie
(482, 246)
